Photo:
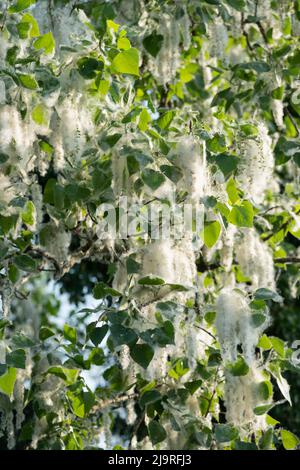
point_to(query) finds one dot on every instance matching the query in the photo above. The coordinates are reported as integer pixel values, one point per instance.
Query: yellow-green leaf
(144, 120)
(28, 81)
(242, 215)
(123, 43)
(45, 42)
(34, 27)
(289, 440)
(40, 115)
(7, 381)
(211, 233)
(126, 62)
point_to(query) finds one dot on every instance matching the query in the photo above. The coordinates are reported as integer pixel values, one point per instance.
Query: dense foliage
(188, 338)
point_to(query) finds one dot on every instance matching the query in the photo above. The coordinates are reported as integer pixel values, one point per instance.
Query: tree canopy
(117, 331)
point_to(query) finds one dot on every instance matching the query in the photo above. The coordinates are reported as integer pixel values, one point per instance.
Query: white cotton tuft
(3, 349)
(175, 263)
(190, 157)
(295, 26)
(277, 111)
(216, 185)
(226, 252)
(242, 394)
(196, 340)
(75, 128)
(16, 134)
(167, 61)
(185, 25)
(218, 36)
(7, 192)
(57, 242)
(158, 367)
(66, 23)
(256, 260)
(234, 326)
(256, 166)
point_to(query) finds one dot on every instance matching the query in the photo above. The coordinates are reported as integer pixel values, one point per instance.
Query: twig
(213, 394)
(113, 401)
(245, 33)
(288, 259)
(206, 331)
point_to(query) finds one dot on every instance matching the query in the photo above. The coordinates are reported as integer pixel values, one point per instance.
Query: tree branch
(288, 259)
(101, 405)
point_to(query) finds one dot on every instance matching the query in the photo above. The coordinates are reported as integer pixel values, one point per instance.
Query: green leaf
(40, 115)
(266, 440)
(258, 319)
(46, 147)
(3, 158)
(165, 120)
(23, 30)
(16, 359)
(149, 397)
(238, 5)
(242, 215)
(289, 440)
(46, 42)
(45, 333)
(265, 390)
(7, 381)
(101, 290)
(153, 43)
(156, 432)
(153, 179)
(161, 336)
(193, 386)
(225, 432)
(211, 233)
(21, 5)
(227, 163)
(278, 93)
(33, 24)
(89, 66)
(25, 262)
(132, 266)
(81, 403)
(27, 81)
(283, 387)
(110, 141)
(70, 333)
(271, 421)
(217, 143)
(169, 309)
(238, 368)
(122, 335)
(126, 62)
(22, 341)
(98, 334)
(68, 375)
(28, 214)
(258, 66)
(267, 294)
(232, 191)
(172, 172)
(264, 343)
(142, 354)
(123, 43)
(144, 120)
(262, 409)
(151, 281)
